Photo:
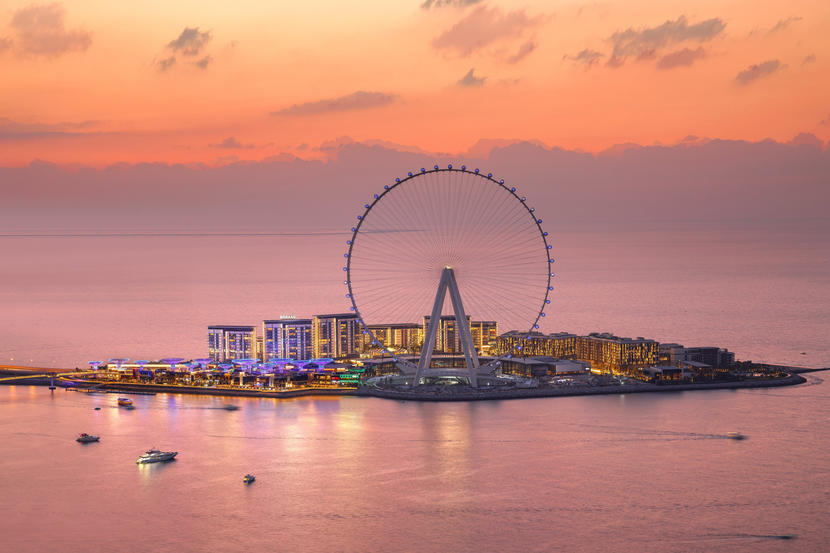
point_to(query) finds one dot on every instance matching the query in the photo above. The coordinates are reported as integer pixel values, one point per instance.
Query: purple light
(376, 196)
(463, 167)
(543, 314)
(345, 268)
(345, 255)
(397, 180)
(501, 181)
(513, 189)
(348, 242)
(550, 247)
(360, 216)
(553, 274)
(544, 233)
(449, 166)
(535, 326)
(366, 206)
(552, 260)
(550, 287)
(354, 229)
(490, 175)
(547, 301)
(386, 187)
(423, 170)
(410, 173)
(348, 295)
(435, 167)
(476, 171)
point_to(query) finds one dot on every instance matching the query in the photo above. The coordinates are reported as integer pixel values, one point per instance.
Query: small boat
(97, 408)
(156, 456)
(229, 407)
(249, 478)
(85, 438)
(125, 401)
(735, 436)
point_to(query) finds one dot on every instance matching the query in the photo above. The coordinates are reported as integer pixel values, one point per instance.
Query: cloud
(191, 41)
(754, 72)
(203, 63)
(809, 59)
(681, 58)
(586, 57)
(13, 130)
(232, 143)
(5, 44)
(353, 101)
(166, 63)
(783, 24)
(470, 80)
(523, 51)
(39, 30)
(429, 4)
(645, 43)
(482, 27)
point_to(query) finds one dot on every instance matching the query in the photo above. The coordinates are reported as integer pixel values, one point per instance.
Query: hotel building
(229, 342)
(561, 345)
(336, 335)
(408, 336)
(287, 338)
(611, 353)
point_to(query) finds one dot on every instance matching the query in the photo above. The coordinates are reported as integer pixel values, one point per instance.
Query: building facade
(407, 336)
(561, 345)
(336, 335)
(607, 352)
(485, 334)
(287, 338)
(229, 342)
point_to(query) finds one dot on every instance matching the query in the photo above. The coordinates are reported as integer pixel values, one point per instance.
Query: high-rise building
(447, 340)
(287, 338)
(408, 336)
(229, 342)
(336, 335)
(485, 334)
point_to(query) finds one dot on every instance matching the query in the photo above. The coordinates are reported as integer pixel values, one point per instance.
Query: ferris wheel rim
(367, 208)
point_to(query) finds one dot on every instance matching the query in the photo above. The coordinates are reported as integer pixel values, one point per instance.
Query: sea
(624, 473)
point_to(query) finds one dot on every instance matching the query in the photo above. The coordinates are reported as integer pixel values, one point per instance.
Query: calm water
(67, 300)
(648, 472)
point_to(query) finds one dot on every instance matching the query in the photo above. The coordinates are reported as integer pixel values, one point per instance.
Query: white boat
(156, 456)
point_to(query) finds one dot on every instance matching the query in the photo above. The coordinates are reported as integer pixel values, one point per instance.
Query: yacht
(87, 438)
(156, 456)
(125, 402)
(249, 478)
(230, 407)
(735, 436)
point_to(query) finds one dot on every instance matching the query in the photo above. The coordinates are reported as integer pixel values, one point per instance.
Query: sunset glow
(94, 83)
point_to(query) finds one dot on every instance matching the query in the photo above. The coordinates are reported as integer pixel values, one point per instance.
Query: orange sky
(84, 82)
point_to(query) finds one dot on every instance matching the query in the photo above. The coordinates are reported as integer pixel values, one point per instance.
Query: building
(676, 354)
(447, 339)
(485, 334)
(543, 366)
(607, 352)
(336, 335)
(407, 336)
(287, 338)
(561, 345)
(229, 342)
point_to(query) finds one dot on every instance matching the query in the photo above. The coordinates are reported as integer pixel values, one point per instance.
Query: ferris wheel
(448, 241)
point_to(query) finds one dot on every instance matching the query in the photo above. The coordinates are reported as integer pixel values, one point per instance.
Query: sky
(93, 83)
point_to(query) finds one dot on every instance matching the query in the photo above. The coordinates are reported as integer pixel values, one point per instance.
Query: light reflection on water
(643, 472)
